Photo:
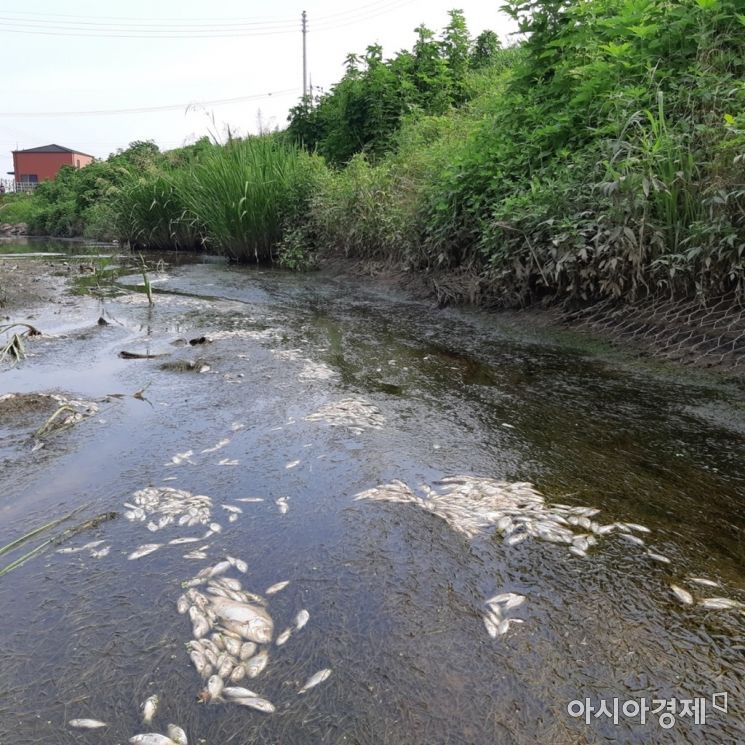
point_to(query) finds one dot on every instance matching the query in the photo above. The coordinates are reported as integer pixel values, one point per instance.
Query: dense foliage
(602, 156)
(365, 109)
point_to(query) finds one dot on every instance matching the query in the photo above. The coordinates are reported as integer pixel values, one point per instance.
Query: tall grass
(150, 211)
(247, 193)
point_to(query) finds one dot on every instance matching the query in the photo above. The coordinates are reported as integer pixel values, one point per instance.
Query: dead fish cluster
(713, 603)
(471, 506)
(233, 631)
(350, 413)
(495, 618)
(176, 735)
(164, 506)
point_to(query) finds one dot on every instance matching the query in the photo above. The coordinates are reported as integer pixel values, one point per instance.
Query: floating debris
(314, 680)
(684, 596)
(87, 723)
(144, 550)
(351, 413)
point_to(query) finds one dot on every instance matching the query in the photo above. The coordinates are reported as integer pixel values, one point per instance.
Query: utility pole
(305, 56)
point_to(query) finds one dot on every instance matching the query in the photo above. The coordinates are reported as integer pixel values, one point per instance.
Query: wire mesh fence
(707, 332)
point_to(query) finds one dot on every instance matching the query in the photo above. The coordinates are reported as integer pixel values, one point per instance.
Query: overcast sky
(48, 68)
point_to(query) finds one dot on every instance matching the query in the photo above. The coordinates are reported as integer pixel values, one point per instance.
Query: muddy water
(395, 595)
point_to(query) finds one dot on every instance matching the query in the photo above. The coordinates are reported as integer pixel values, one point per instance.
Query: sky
(64, 58)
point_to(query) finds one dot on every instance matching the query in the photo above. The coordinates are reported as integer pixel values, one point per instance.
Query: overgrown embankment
(602, 158)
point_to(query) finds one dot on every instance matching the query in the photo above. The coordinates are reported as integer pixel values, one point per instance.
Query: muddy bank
(27, 282)
(692, 332)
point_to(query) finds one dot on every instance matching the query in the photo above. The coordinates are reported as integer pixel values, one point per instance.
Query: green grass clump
(247, 193)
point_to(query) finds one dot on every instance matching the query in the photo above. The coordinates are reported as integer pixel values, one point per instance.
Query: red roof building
(42, 163)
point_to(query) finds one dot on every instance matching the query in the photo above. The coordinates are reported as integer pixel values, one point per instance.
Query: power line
(182, 31)
(210, 21)
(149, 109)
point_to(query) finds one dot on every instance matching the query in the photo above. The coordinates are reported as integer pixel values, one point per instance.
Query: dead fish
(632, 538)
(255, 666)
(314, 680)
(282, 505)
(720, 603)
(236, 692)
(515, 538)
(214, 686)
(292, 464)
(260, 704)
(658, 557)
(232, 508)
(284, 637)
(196, 555)
(239, 564)
(149, 708)
(252, 621)
(105, 551)
(232, 518)
(177, 735)
(248, 650)
(152, 738)
(180, 458)
(577, 551)
(228, 462)
(491, 627)
(515, 601)
(87, 546)
(144, 550)
(250, 499)
(504, 626)
(684, 596)
(216, 527)
(198, 661)
(301, 619)
(637, 528)
(225, 441)
(87, 723)
(238, 673)
(704, 582)
(219, 569)
(277, 587)
(179, 541)
(503, 597)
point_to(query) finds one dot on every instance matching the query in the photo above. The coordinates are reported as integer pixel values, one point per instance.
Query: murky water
(395, 595)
